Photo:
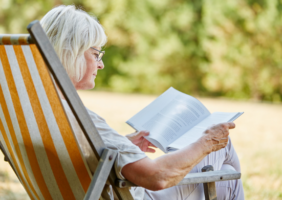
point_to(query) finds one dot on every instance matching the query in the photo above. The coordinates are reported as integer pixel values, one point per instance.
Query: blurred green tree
(204, 47)
(153, 45)
(246, 52)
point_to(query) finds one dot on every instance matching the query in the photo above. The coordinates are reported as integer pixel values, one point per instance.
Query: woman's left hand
(138, 139)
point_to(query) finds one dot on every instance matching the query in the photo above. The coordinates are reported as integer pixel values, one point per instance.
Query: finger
(224, 129)
(143, 133)
(150, 150)
(146, 142)
(223, 132)
(217, 141)
(217, 147)
(144, 145)
(138, 136)
(223, 140)
(231, 125)
(137, 141)
(228, 125)
(151, 145)
(143, 142)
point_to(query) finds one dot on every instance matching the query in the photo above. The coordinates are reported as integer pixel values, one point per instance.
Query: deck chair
(36, 137)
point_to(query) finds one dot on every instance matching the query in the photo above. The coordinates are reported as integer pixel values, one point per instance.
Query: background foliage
(204, 47)
(229, 48)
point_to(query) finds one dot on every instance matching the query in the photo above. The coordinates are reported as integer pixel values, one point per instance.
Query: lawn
(257, 139)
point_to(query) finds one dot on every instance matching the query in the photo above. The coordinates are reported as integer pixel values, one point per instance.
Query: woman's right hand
(216, 137)
(138, 139)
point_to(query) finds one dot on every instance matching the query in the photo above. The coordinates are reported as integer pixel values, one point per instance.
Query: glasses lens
(100, 55)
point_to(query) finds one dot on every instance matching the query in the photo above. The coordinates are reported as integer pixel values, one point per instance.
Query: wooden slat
(213, 176)
(101, 174)
(15, 39)
(201, 177)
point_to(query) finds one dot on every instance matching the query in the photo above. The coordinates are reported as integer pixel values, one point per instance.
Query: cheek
(90, 65)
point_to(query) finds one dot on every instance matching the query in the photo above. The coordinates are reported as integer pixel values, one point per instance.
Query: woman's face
(92, 66)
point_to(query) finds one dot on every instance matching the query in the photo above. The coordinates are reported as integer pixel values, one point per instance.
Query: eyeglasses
(100, 55)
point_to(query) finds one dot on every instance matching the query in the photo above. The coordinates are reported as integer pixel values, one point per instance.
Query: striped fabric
(34, 129)
(15, 39)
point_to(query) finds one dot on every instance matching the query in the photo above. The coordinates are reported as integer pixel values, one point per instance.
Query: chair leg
(209, 188)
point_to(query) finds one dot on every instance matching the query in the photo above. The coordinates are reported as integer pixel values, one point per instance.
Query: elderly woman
(78, 39)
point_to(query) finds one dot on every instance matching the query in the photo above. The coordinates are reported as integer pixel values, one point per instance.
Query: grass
(262, 175)
(4, 176)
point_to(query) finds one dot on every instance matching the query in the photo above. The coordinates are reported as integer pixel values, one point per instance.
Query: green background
(214, 48)
(229, 48)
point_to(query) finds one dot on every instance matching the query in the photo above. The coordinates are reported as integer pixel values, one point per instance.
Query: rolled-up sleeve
(127, 151)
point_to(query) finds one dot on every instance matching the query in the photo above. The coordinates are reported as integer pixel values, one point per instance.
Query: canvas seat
(35, 133)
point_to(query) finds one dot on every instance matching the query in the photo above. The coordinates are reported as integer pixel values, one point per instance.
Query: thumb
(143, 133)
(231, 125)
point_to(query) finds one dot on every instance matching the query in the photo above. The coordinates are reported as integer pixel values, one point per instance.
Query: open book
(176, 120)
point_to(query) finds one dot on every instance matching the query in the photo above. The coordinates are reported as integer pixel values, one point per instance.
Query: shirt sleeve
(127, 151)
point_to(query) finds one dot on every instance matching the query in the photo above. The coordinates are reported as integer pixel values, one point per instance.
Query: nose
(101, 65)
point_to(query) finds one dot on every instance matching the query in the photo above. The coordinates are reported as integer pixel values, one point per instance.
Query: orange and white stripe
(34, 128)
(14, 39)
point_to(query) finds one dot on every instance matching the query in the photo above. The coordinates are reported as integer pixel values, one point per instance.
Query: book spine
(235, 117)
(130, 124)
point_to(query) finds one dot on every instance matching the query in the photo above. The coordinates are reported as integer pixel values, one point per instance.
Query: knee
(232, 189)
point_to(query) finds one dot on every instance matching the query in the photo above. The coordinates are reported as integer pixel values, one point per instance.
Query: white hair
(72, 31)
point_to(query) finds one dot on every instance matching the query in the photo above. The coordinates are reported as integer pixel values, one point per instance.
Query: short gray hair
(72, 31)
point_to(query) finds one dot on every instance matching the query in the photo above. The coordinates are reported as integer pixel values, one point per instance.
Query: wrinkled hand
(217, 136)
(138, 139)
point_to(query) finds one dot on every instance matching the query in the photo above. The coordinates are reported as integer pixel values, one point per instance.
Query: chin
(91, 86)
(85, 86)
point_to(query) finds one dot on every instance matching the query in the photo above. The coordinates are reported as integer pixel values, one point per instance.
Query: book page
(169, 116)
(196, 132)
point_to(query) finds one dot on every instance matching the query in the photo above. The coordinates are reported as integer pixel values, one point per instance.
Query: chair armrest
(192, 178)
(211, 176)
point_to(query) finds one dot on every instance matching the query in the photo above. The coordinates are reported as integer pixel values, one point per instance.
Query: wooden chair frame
(105, 156)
